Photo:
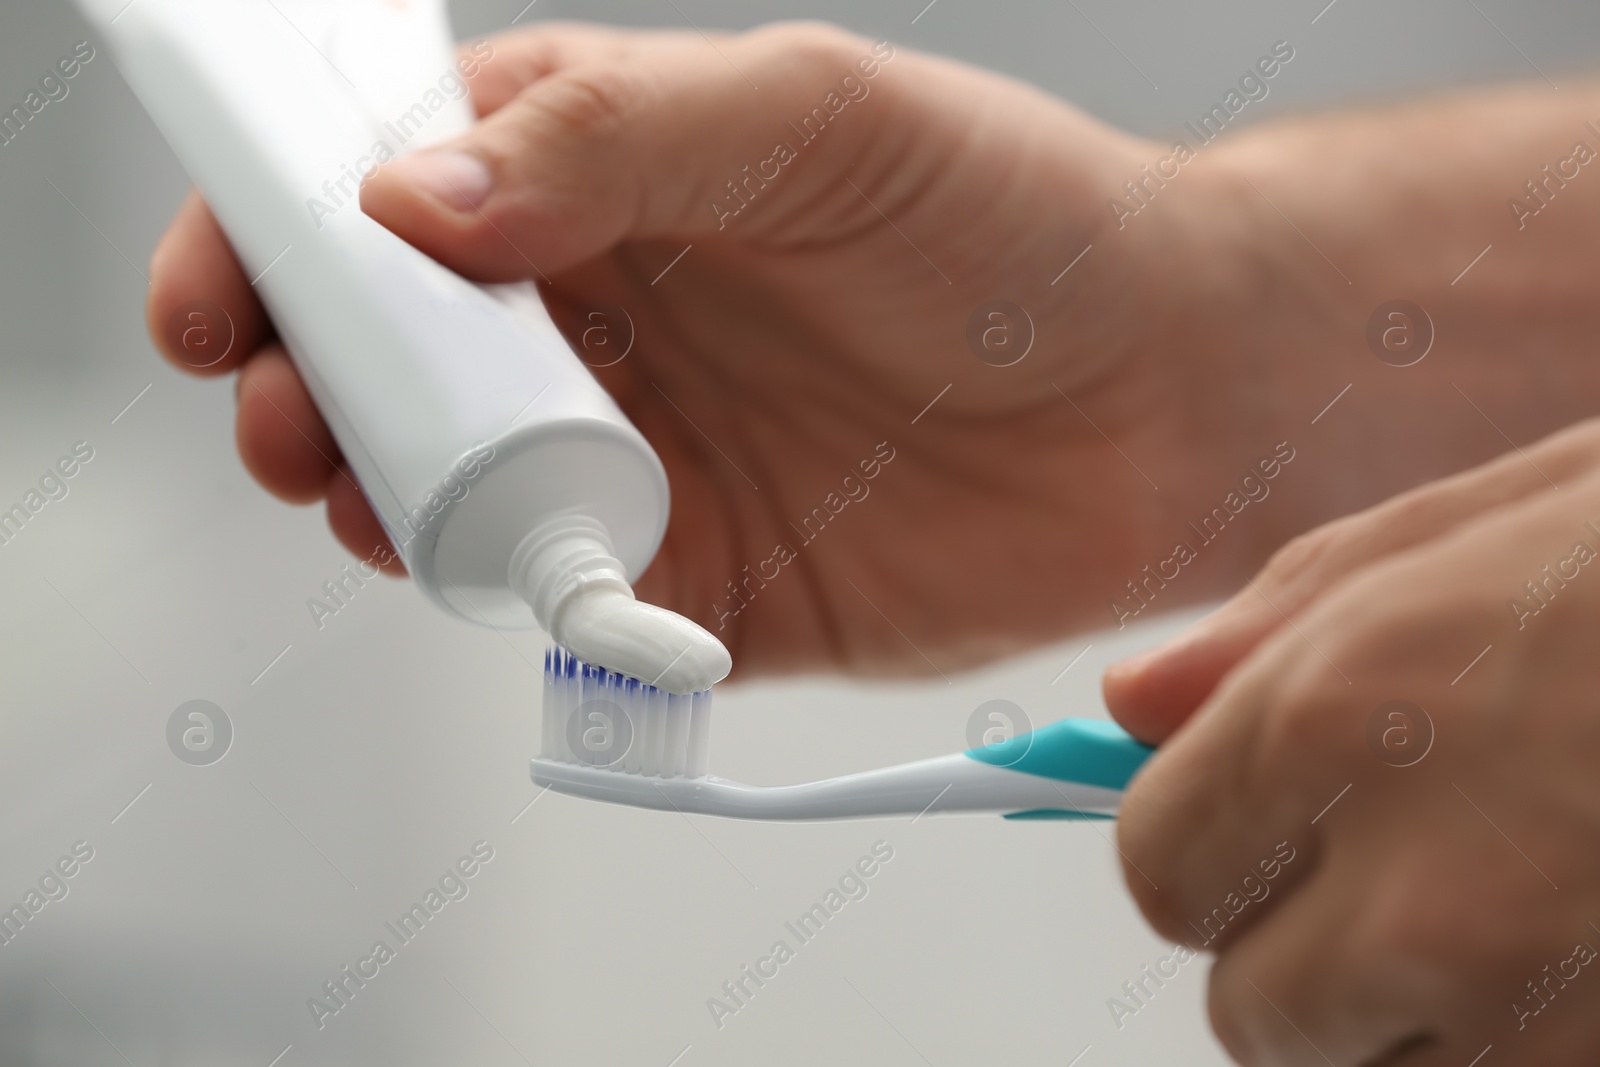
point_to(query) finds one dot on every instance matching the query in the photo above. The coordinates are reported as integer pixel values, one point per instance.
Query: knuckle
(1307, 552)
(1425, 509)
(593, 102)
(1343, 546)
(1308, 714)
(542, 48)
(813, 44)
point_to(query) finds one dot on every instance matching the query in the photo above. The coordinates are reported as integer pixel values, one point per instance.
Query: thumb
(675, 141)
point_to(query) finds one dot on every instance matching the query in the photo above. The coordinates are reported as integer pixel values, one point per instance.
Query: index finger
(503, 65)
(201, 310)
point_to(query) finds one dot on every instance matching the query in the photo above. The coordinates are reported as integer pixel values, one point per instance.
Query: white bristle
(590, 711)
(699, 736)
(674, 756)
(648, 731)
(631, 763)
(546, 736)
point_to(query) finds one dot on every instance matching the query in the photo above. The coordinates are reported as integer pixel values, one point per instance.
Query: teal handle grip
(1090, 751)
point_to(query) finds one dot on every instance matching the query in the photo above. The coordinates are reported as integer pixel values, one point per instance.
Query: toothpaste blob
(609, 628)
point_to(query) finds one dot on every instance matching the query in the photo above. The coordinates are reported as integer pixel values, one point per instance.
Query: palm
(766, 367)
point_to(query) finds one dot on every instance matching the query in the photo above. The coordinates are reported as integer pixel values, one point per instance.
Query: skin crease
(783, 348)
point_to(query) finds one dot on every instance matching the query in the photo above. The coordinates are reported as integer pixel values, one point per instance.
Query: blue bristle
(669, 735)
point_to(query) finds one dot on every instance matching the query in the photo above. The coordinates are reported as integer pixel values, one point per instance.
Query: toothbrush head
(597, 718)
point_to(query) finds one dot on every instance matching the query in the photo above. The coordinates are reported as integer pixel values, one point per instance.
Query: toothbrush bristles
(615, 722)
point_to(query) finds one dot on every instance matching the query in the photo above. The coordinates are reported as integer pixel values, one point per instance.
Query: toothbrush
(607, 736)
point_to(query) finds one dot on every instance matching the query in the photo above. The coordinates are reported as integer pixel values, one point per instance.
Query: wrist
(1330, 218)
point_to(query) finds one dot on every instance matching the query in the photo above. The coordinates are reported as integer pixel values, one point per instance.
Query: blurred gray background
(372, 754)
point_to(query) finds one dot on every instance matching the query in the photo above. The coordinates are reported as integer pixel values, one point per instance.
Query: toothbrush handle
(1073, 769)
(1089, 752)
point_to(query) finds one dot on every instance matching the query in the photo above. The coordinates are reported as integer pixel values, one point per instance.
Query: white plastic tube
(471, 426)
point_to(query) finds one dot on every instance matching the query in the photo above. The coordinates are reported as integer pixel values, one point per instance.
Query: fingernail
(457, 180)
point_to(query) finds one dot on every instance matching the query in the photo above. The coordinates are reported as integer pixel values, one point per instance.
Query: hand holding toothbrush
(1419, 725)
